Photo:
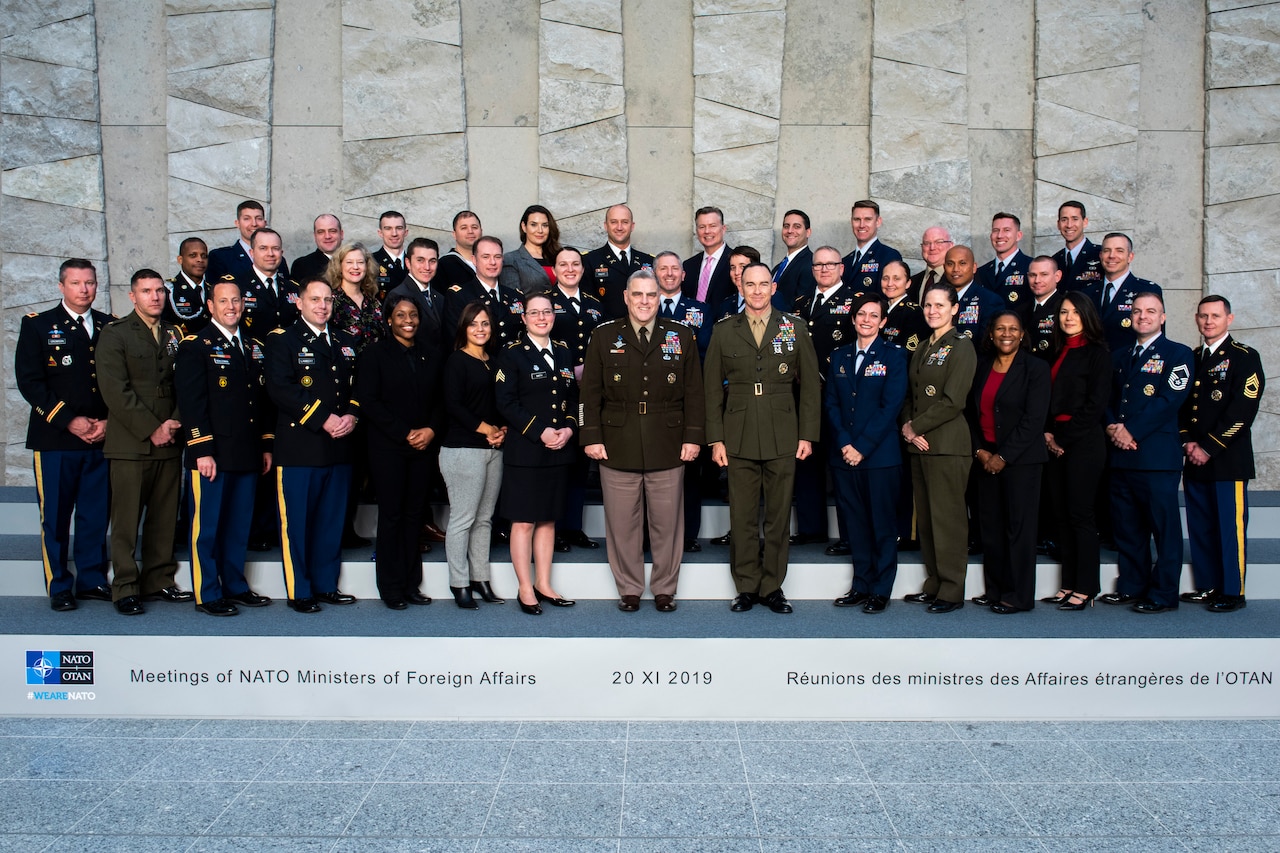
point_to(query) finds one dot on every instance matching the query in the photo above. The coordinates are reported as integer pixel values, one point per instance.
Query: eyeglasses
(541, 312)
(929, 244)
(828, 265)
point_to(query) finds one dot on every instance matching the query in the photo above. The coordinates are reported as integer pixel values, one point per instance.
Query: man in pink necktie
(706, 274)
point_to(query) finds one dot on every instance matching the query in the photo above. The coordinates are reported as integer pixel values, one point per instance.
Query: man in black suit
(608, 267)
(390, 256)
(865, 264)
(458, 265)
(1080, 260)
(1005, 275)
(1216, 424)
(327, 231)
(1040, 312)
(185, 292)
(236, 259)
(54, 368)
(933, 248)
(794, 273)
(706, 274)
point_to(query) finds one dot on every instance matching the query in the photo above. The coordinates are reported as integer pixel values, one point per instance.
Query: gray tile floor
(147, 786)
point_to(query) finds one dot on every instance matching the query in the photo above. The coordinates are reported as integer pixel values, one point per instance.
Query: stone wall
(1160, 115)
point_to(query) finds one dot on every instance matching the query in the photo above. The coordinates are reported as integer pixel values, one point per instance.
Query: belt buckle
(644, 408)
(759, 389)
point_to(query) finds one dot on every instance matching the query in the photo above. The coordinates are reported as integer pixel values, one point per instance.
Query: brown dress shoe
(664, 603)
(629, 603)
(431, 533)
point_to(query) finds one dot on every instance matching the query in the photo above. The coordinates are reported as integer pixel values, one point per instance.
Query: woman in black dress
(1006, 412)
(397, 384)
(538, 398)
(1074, 434)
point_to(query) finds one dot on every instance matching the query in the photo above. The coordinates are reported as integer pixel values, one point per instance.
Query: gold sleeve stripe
(529, 424)
(200, 440)
(309, 411)
(55, 411)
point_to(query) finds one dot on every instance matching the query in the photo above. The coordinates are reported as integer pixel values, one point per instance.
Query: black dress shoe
(418, 598)
(171, 594)
(354, 540)
(62, 601)
(1200, 596)
(974, 549)
(629, 603)
(578, 539)
(1116, 598)
(851, 599)
(664, 603)
(839, 548)
(500, 537)
(981, 600)
(691, 546)
(721, 540)
(554, 602)
(1004, 609)
(221, 607)
(396, 603)
(940, 606)
(1076, 601)
(1226, 604)
(1149, 606)
(260, 544)
(562, 545)
(485, 590)
(777, 602)
(744, 602)
(249, 598)
(918, 598)
(531, 609)
(806, 538)
(1057, 598)
(336, 597)
(94, 593)
(130, 605)
(875, 604)
(304, 605)
(463, 598)
(908, 545)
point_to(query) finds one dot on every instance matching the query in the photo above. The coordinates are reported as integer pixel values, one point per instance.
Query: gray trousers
(473, 476)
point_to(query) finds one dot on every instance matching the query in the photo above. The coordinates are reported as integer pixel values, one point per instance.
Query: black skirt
(533, 494)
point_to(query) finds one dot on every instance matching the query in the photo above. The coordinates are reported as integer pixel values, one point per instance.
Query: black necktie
(817, 304)
(573, 300)
(83, 326)
(857, 256)
(1108, 294)
(626, 258)
(1137, 354)
(547, 357)
(999, 268)
(324, 339)
(270, 283)
(666, 308)
(644, 337)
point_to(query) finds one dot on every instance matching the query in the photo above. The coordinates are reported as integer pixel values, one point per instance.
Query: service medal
(836, 334)
(1216, 395)
(930, 391)
(782, 368)
(1149, 390)
(671, 380)
(1013, 296)
(222, 381)
(1043, 345)
(66, 361)
(1126, 322)
(617, 377)
(306, 381)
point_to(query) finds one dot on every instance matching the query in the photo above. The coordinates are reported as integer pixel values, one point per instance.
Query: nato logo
(59, 667)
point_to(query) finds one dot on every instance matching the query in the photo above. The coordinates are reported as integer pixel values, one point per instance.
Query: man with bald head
(327, 231)
(977, 304)
(609, 267)
(933, 248)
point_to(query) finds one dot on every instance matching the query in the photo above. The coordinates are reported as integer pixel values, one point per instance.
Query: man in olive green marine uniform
(757, 427)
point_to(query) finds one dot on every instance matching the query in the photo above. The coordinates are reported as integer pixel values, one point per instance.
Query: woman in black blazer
(1077, 444)
(1006, 412)
(538, 397)
(397, 384)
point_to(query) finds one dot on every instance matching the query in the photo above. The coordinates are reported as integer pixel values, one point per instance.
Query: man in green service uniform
(758, 426)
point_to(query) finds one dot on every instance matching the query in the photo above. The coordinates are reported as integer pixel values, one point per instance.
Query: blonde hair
(368, 286)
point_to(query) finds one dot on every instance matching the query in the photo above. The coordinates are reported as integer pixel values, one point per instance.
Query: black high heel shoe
(1072, 603)
(462, 597)
(486, 593)
(554, 602)
(531, 609)
(1062, 596)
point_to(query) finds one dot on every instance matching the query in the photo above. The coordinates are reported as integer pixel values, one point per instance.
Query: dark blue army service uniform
(184, 305)
(267, 308)
(1219, 416)
(606, 276)
(225, 414)
(390, 271)
(573, 325)
(862, 400)
(1010, 284)
(56, 374)
(1146, 393)
(506, 309)
(308, 380)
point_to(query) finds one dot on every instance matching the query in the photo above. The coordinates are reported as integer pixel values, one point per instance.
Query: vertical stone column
(1242, 205)
(51, 191)
(402, 116)
(737, 110)
(582, 125)
(219, 115)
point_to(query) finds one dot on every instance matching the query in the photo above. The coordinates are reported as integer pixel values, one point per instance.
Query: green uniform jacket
(751, 399)
(642, 406)
(940, 376)
(135, 375)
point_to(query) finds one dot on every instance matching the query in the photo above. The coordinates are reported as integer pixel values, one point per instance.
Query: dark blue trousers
(313, 502)
(70, 481)
(221, 511)
(866, 499)
(1144, 506)
(1217, 518)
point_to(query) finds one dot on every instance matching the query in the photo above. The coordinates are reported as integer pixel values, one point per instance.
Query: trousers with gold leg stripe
(313, 501)
(221, 511)
(72, 481)
(1217, 521)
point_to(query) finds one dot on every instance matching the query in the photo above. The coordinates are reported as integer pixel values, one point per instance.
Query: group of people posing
(1001, 408)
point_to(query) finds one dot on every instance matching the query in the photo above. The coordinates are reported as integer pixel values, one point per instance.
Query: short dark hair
(75, 264)
(225, 280)
(952, 296)
(182, 247)
(488, 238)
(748, 252)
(1126, 237)
(390, 214)
(142, 275)
(1149, 293)
(800, 213)
(249, 204)
(470, 311)
(869, 298)
(867, 203)
(1216, 297)
(987, 345)
(703, 211)
(755, 264)
(564, 249)
(905, 266)
(1076, 204)
(465, 214)
(421, 243)
(254, 235)
(1004, 215)
(392, 301)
